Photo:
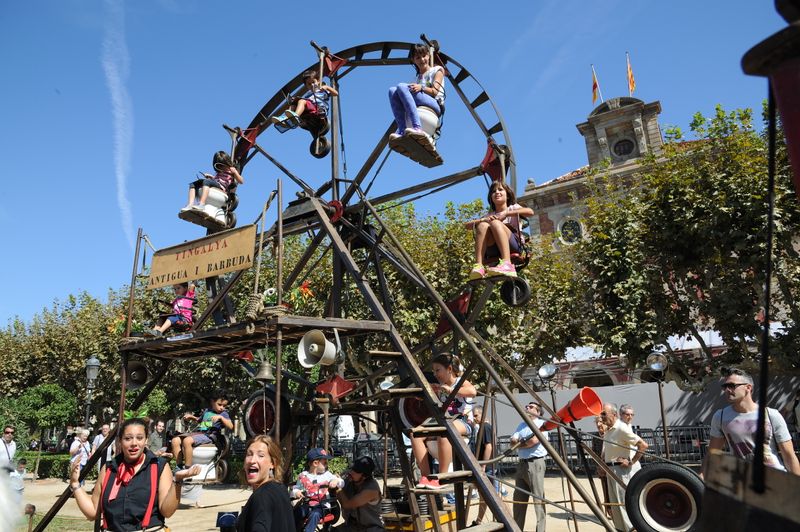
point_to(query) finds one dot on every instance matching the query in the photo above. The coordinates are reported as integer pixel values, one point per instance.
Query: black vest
(126, 511)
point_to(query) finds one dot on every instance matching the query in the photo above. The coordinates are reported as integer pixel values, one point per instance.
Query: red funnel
(586, 403)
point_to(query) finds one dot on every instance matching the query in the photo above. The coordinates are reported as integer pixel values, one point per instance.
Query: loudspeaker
(136, 375)
(315, 349)
(586, 403)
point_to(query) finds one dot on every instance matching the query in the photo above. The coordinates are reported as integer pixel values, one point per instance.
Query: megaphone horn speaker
(136, 375)
(586, 403)
(315, 349)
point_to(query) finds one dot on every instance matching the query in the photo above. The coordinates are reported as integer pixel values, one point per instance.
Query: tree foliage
(680, 248)
(46, 406)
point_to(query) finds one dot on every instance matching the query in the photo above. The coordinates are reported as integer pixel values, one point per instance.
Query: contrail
(116, 66)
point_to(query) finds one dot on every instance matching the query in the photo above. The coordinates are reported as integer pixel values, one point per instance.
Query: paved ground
(215, 499)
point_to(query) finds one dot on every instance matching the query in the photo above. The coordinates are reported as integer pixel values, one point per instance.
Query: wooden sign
(219, 253)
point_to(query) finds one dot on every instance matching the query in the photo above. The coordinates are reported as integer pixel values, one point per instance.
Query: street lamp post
(92, 369)
(659, 363)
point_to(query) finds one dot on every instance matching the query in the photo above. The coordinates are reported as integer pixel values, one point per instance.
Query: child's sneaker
(154, 332)
(504, 267)
(428, 483)
(187, 208)
(415, 132)
(478, 272)
(395, 136)
(199, 206)
(449, 498)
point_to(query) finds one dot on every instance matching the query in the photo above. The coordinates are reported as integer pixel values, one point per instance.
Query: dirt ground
(221, 498)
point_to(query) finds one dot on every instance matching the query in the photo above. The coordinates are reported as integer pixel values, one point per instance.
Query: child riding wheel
(315, 103)
(497, 234)
(211, 422)
(226, 174)
(182, 308)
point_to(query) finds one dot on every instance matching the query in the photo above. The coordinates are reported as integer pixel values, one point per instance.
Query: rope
(378, 171)
(341, 137)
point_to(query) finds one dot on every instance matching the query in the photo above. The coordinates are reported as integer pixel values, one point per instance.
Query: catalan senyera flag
(595, 87)
(631, 80)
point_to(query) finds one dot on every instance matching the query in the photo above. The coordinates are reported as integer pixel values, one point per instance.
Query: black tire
(222, 471)
(664, 498)
(515, 292)
(259, 414)
(231, 219)
(324, 147)
(233, 201)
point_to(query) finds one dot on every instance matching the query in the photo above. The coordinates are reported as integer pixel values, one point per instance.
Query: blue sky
(110, 108)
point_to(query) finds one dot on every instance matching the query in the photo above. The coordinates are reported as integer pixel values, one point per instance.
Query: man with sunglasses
(9, 448)
(530, 471)
(736, 425)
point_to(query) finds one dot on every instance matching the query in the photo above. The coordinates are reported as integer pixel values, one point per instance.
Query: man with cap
(361, 499)
(313, 484)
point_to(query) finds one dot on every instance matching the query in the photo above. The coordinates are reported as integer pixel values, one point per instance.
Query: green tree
(680, 248)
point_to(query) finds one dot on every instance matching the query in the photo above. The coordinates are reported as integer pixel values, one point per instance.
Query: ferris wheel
(327, 131)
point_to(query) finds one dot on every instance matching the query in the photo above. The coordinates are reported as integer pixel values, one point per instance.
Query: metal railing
(687, 444)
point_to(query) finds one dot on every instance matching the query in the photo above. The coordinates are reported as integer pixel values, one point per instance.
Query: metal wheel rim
(260, 416)
(667, 506)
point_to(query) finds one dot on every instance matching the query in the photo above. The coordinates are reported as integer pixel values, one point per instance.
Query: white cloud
(116, 66)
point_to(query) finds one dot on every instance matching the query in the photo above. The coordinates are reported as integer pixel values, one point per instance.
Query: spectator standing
(98, 441)
(736, 425)
(530, 471)
(619, 453)
(80, 449)
(157, 442)
(17, 479)
(626, 414)
(9, 447)
(484, 450)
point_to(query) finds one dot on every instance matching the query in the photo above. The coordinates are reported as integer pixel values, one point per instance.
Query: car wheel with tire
(664, 498)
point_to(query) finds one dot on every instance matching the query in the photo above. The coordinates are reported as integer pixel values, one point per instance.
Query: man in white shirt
(622, 450)
(736, 425)
(98, 441)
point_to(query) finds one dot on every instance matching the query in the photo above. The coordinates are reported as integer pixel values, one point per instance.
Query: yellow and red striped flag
(631, 80)
(595, 87)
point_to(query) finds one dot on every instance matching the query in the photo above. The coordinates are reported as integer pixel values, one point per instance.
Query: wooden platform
(226, 339)
(395, 521)
(730, 503)
(417, 148)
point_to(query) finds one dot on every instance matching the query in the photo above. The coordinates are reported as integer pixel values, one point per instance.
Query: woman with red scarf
(136, 489)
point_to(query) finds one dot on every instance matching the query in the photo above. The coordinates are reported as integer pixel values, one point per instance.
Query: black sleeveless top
(126, 512)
